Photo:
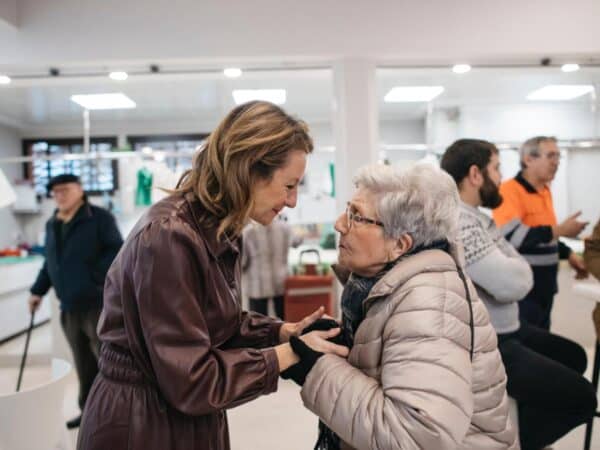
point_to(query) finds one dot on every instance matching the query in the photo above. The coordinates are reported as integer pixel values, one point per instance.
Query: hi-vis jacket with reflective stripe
(526, 218)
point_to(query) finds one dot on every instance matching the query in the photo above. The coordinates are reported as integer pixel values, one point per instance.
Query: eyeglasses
(553, 156)
(352, 217)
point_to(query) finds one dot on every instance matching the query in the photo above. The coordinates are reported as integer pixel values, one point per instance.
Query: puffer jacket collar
(425, 261)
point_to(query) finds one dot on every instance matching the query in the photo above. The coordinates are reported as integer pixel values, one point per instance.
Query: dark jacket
(76, 264)
(177, 349)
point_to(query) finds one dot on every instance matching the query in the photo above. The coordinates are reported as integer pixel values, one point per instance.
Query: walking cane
(25, 352)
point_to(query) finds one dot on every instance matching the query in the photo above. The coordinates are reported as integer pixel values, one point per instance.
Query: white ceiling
(74, 31)
(480, 87)
(112, 34)
(204, 98)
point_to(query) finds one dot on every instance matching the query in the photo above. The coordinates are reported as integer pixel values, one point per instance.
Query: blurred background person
(81, 243)
(528, 221)
(265, 264)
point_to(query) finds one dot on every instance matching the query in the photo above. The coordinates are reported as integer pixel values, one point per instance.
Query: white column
(355, 123)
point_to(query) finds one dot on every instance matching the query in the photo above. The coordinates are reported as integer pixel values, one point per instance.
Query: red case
(305, 293)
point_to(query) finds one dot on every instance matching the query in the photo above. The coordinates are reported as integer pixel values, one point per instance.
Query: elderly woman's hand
(309, 348)
(290, 329)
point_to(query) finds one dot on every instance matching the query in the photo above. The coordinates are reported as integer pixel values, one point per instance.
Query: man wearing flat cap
(81, 242)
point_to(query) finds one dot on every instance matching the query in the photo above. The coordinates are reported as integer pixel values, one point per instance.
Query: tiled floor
(265, 424)
(280, 421)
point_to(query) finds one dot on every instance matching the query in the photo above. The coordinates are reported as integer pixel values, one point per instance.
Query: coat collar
(84, 212)
(523, 182)
(209, 232)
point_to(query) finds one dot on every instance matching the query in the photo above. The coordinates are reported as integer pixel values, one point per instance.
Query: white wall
(519, 122)
(584, 184)
(212, 30)
(10, 145)
(402, 131)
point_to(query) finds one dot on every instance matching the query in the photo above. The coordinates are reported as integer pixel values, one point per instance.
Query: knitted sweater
(500, 274)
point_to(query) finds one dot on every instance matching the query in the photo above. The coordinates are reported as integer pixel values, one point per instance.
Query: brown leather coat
(591, 254)
(177, 348)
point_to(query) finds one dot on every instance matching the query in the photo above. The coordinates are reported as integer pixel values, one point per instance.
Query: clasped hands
(311, 338)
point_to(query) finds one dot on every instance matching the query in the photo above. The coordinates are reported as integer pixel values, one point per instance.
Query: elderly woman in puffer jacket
(424, 371)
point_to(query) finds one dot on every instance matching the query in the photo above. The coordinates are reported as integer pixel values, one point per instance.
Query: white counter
(15, 281)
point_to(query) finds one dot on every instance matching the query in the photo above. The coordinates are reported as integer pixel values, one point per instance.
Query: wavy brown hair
(249, 144)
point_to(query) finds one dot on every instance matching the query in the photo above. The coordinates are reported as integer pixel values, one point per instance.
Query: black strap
(471, 325)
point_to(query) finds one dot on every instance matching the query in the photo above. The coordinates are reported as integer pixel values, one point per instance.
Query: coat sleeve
(42, 283)
(193, 375)
(424, 400)
(256, 331)
(110, 243)
(506, 278)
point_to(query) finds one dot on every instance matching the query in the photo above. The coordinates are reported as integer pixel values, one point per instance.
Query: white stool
(32, 418)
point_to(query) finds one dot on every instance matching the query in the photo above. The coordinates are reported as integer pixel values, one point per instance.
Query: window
(184, 145)
(97, 175)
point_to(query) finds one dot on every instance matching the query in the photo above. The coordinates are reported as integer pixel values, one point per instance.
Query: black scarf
(356, 291)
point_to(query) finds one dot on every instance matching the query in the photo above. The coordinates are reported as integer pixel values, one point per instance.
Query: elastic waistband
(116, 363)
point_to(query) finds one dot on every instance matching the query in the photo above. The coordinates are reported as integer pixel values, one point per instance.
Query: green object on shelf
(332, 176)
(143, 195)
(124, 148)
(328, 241)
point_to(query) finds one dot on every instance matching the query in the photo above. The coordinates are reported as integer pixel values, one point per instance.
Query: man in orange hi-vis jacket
(528, 221)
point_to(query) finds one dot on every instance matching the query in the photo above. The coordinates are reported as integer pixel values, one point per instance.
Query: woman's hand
(309, 348)
(318, 342)
(296, 362)
(290, 329)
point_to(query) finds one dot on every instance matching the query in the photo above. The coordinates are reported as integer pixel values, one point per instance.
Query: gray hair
(422, 201)
(531, 147)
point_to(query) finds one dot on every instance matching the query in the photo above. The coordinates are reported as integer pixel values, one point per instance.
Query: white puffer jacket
(409, 382)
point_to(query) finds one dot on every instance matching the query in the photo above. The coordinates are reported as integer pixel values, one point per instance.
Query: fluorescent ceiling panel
(560, 92)
(104, 101)
(403, 94)
(118, 76)
(232, 72)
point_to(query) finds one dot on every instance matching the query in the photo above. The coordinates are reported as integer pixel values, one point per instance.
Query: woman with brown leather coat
(177, 349)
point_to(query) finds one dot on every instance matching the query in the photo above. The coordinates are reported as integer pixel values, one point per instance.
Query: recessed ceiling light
(232, 72)
(104, 101)
(4, 79)
(570, 67)
(118, 76)
(461, 68)
(413, 94)
(277, 96)
(560, 92)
